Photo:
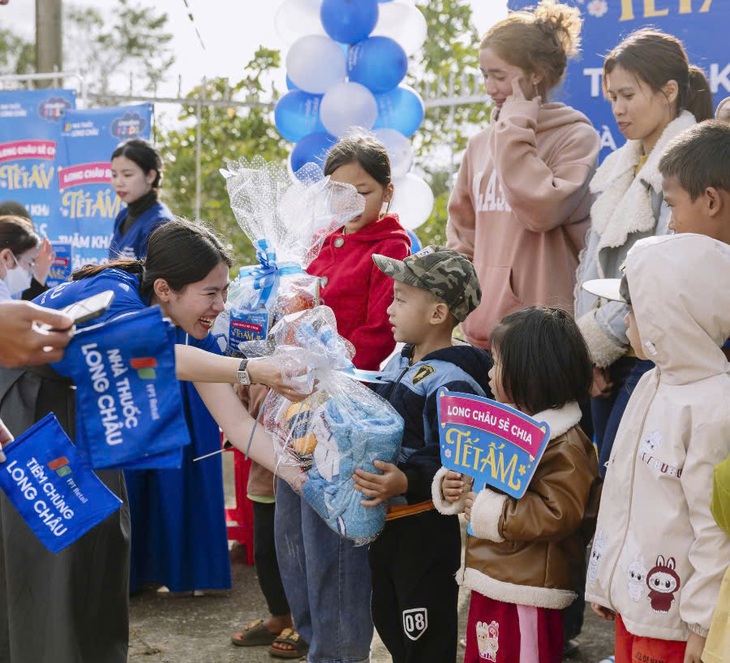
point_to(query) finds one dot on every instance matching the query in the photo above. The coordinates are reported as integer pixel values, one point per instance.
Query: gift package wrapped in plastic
(287, 218)
(341, 427)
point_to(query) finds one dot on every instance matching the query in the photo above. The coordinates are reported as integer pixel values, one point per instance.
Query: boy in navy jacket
(414, 560)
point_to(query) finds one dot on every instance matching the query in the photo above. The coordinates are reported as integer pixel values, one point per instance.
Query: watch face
(243, 377)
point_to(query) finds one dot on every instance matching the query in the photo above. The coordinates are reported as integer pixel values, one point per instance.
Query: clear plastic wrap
(287, 219)
(341, 427)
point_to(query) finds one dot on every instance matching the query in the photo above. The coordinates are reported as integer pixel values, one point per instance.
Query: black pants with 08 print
(415, 595)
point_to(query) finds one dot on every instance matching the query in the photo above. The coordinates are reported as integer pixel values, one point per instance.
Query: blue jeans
(607, 412)
(327, 582)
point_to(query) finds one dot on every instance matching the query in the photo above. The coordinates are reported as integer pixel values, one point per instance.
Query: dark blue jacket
(412, 392)
(133, 243)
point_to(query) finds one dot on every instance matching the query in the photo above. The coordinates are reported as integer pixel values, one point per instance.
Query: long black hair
(144, 155)
(179, 251)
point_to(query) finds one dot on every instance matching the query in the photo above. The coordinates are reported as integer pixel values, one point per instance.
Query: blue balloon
(415, 242)
(378, 63)
(290, 84)
(401, 109)
(349, 21)
(312, 149)
(297, 114)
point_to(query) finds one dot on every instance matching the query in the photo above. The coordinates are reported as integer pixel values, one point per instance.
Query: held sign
(491, 442)
(56, 493)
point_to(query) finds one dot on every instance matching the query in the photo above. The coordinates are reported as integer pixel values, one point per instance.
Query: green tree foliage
(132, 49)
(228, 132)
(17, 56)
(127, 43)
(449, 67)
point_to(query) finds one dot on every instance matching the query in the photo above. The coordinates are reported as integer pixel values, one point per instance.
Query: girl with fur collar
(524, 561)
(655, 95)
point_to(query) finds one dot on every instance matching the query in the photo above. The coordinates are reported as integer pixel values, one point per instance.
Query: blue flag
(129, 402)
(57, 495)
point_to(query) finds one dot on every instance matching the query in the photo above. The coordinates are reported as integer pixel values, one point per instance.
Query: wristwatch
(243, 377)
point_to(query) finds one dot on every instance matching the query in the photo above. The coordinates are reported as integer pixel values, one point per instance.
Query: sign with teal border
(495, 444)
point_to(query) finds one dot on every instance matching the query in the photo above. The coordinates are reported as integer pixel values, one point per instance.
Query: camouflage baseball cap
(443, 272)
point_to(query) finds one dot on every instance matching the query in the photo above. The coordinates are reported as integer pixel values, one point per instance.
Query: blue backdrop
(30, 128)
(702, 25)
(88, 204)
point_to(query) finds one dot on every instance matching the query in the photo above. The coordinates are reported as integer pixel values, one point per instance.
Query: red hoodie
(357, 291)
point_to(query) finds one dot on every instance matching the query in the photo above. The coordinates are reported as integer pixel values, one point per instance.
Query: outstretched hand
(24, 342)
(380, 487)
(288, 375)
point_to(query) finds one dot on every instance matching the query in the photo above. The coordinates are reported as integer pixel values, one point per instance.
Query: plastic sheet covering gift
(287, 219)
(128, 400)
(341, 427)
(57, 495)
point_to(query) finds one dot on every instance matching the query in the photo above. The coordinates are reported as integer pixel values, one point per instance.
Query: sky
(230, 29)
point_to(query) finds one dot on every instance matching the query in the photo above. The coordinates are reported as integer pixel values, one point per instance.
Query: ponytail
(125, 264)
(699, 98)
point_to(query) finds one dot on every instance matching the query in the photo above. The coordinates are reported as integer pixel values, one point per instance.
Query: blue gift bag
(59, 497)
(129, 402)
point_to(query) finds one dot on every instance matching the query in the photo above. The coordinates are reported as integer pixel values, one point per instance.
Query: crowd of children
(633, 315)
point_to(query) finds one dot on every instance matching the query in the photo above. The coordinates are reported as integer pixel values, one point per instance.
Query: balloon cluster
(345, 68)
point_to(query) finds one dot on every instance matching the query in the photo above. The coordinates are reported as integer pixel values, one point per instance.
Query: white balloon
(297, 18)
(315, 63)
(403, 23)
(347, 105)
(399, 149)
(412, 201)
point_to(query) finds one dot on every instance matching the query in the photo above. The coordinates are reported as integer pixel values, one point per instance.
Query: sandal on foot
(254, 634)
(289, 644)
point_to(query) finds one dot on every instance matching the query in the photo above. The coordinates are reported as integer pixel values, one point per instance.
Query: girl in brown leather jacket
(522, 563)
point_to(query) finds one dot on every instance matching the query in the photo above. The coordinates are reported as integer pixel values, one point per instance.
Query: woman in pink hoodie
(520, 206)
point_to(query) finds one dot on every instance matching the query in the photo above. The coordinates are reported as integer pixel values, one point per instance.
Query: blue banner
(700, 24)
(87, 201)
(56, 494)
(30, 128)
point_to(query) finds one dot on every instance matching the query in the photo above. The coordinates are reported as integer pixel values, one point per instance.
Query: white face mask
(18, 278)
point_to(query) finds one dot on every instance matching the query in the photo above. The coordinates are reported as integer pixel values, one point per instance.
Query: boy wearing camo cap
(413, 562)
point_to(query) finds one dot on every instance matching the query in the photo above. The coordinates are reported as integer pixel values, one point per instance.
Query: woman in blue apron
(72, 607)
(136, 178)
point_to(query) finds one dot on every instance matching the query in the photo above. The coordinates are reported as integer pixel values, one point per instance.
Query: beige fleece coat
(659, 556)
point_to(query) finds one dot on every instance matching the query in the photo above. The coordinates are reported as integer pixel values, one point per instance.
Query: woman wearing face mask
(72, 607)
(655, 95)
(44, 256)
(19, 246)
(136, 179)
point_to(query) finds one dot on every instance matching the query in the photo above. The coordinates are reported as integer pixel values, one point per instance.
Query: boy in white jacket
(658, 556)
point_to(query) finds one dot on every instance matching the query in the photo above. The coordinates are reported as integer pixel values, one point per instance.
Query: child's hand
(470, 497)
(380, 487)
(695, 646)
(603, 613)
(453, 486)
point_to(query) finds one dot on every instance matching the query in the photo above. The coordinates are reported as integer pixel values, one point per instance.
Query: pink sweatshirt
(520, 209)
